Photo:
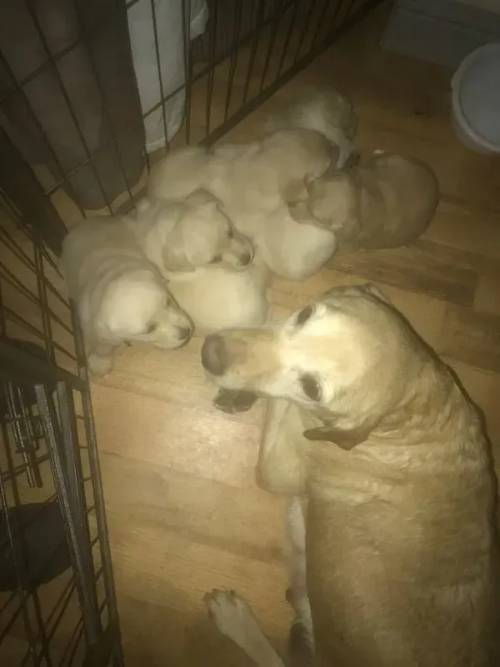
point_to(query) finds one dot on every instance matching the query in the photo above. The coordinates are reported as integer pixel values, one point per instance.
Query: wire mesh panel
(57, 603)
(250, 49)
(100, 85)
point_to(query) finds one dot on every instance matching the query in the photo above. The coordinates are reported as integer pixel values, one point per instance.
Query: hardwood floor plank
(472, 337)
(196, 509)
(188, 439)
(424, 266)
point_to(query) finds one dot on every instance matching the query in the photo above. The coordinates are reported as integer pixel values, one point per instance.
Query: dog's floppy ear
(174, 255)
(202, 198)
(345, 439)
(345, 436)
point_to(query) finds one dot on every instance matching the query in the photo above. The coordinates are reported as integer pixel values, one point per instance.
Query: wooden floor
(185, 514)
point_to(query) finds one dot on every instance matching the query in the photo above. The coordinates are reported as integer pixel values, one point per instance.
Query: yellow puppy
(120, 296)
(386, 202)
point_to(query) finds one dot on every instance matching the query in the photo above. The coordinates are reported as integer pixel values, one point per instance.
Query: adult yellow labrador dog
(389, 457)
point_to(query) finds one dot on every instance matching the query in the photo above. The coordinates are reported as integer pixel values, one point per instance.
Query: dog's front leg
(281, 467)
(301, 640)
(99, 358)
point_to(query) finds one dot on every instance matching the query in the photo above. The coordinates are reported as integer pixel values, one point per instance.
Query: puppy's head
(203, 235)
(346, 358)
(329, 201)
(137, 307)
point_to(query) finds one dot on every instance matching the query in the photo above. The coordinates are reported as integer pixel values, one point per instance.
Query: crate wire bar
(61, 610)
(48, 455)
(248, 50)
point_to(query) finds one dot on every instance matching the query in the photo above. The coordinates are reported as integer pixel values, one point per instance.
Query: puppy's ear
(375, 291)
(345, 439)
(174, 259)
(202, 200)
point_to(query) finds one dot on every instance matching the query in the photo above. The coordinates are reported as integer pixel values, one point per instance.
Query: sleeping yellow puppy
(386, 202)
(119, 295)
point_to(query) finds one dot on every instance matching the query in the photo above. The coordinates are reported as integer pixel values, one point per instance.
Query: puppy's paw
(233, 402)
(99, 365)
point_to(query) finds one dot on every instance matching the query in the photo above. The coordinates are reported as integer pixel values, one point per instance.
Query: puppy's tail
(326, 111)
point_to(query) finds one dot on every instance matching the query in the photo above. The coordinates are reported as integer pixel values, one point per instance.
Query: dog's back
(323, 110)
(182, 172)
(95, 254)
(403, 560)
(409, 191)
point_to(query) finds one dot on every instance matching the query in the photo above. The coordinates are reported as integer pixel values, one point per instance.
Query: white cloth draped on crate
(169, 35)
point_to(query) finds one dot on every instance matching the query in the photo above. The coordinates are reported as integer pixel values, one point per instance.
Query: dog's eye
(150, 328)
(310, 387)
(217, 259)
(304, 315)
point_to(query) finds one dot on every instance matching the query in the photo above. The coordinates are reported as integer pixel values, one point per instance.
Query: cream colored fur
(119, 295)
(327, 112)
(187, 234)
(369, 426)
(255, 181)
(385, 202)
(218, 298)
(208, 264)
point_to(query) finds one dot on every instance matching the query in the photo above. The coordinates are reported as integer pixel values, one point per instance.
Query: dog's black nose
(214, 355)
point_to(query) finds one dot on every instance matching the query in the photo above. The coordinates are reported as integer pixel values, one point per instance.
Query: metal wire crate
(73, 138)
(86, 142)
(57, 603)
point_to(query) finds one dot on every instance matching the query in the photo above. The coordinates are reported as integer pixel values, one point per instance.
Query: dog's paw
(232, 615)
(235, 619)
(233, 402)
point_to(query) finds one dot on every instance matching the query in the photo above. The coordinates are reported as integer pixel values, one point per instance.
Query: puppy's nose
(214, 355)
(245, 259)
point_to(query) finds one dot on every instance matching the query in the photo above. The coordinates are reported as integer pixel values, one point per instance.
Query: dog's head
(203, 235)
(330, 201)
(137, 307)
(346, 358)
